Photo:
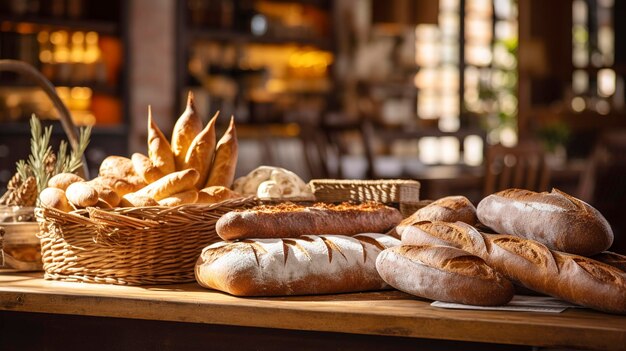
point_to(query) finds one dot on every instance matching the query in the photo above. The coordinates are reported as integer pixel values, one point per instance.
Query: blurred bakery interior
(466, 96)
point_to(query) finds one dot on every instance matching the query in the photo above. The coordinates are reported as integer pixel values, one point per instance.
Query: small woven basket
(129, 246)
(403, 194)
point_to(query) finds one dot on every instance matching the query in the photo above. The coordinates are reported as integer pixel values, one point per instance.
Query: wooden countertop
(390, 313)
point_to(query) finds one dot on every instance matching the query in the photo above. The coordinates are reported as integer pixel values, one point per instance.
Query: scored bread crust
(447, 209)
(572, 278)
(288, 220)
(311, 264)
(556, 219)
(612, 259)
(443, 273)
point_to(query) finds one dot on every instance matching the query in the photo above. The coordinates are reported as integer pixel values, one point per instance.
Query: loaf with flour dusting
(447, 209)
(288, 220)
(443, 273)
(572, 278)
(556, 219)
(324, 264)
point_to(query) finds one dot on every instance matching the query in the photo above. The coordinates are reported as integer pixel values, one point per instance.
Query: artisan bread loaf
(134, 200)
(81, 194)
(200, 153)
(557, 220)
(443, 273)
(288, 220)
(121, 186)
(170, 184)
(572, 278)
(54, 198)
(324, 264)
(117, 167)
(447, 209)
(144, 167)
(184, 197)
(159, 150)
(187, 126)
(225, 160)
(612, 259)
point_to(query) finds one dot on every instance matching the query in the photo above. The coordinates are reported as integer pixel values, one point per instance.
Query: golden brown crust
(81, 194)
(612, 259)
(200, 153)
(159, 150)
(63, 180)
(555, 219)
(186, 128)
(447, 209)
(184, 197)
(145, 169)
(55, 198)
(134, 200)
(445, 274)
(214, 194)
(121, 186)
(117, 167)
(170, 184)
(289, 220)
(531, 264)
(225, 160)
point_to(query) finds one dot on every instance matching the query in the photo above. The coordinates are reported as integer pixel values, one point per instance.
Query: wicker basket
(129, 246)
(403, 194)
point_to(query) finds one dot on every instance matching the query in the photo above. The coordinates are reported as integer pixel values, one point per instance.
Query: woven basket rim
(358, 182)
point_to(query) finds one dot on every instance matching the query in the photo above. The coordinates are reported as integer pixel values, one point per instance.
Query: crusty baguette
(572, 278)
(225, 160)
(186, 128)
(322, 264)
(443, 273)
(288, 220)
(557, 220)
(63, 180)
(200, 153)
(170, 184)
(81, 194)
(144, 167)
(159, 150)
(612, 259)
(134, 200)
(215, 194)
(184, 197)
(55, 198)
(447, 209)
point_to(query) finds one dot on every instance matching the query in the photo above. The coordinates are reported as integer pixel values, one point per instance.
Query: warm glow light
(508, 137)
(449, 150)
(429, 150)
(578, 104)
(606, 82)
(449, 123)
(473, 150)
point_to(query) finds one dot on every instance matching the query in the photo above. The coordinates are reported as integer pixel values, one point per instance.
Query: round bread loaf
(447, 209)
(443, 273)
(556, 219)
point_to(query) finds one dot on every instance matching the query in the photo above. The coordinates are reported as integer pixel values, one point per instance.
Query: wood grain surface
(389, 313)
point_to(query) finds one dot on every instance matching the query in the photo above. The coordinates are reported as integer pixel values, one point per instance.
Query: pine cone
(49, 163)
(14, 182)
(25, 195)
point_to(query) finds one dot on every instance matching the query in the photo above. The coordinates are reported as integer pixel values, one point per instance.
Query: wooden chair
(523, 166)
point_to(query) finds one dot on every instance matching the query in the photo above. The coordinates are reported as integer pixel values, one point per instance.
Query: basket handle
(48, 88)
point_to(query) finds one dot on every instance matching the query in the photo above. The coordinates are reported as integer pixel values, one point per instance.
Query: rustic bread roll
(63, 180)
(324, 264)
(159, 150)
(557, 220)
(81, 194)
(134, 200)
(443, 273)
(117, 167)
(572, 278)
(200, 153)
(612, 259)
(186, 128)
(170, 184)
(288, 220)
(144, 167)
(54, 198)
(106, 194)
(215, 194)
(120, 186)
(447, 209)
(184, 197)
(225, 160)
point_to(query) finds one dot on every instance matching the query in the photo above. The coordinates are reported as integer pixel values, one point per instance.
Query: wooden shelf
(390, 313)
(231, 36)
(35, 24)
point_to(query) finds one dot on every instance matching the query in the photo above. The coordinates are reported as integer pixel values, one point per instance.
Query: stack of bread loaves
(289, 249)
(542, 248)
(192, 168)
